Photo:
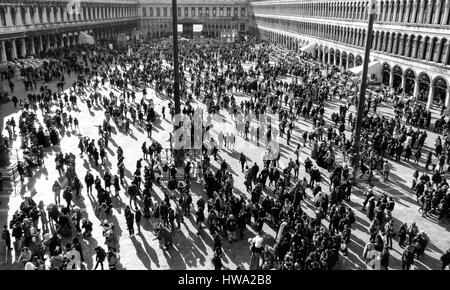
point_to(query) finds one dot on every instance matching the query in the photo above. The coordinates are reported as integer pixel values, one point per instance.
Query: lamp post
(178, 153)
(355, 157)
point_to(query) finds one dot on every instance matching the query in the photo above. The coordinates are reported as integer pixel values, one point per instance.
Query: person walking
(138, 217)
(6, 236)
(99, 257)
(57, 191)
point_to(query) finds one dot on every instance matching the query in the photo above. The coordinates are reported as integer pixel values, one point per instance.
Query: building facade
(410, 38)
(28, 27)
(216, 16)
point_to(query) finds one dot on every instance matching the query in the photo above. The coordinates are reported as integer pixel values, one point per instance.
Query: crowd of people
(214, 74)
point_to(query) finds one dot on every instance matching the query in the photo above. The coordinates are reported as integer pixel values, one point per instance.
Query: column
(421, 11)
(414, 9)
(414, 48)
(58, 15)
(18, 16)
(62, 41)
(36, 16)
(407, 46)
(446, 13)
(27, 16)
(401, 13)
(3, 59)
(391, 78)
(395, 48)
(47, 45)
(44, 16)
(52, 15)
(389, 11)
(24, 48)
(32, 51)
(323, 56)
(41, 44)
(389, 45)
(438, 46)
(408, 11)
(437, 13)
(430, 95)
(416, 88)
(385, 42)
(8, 16)
(81, 9)
(447, 98)
(445, 52)
(13, 49)
(341, 61)
(430, 7)
(394, 12)
(55, 42)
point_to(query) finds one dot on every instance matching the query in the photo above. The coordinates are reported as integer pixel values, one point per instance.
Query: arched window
(410, 81)
(440, 90)
(424, 87)
(398, 77)
(386, 74)
(351, 61)
(151, 12)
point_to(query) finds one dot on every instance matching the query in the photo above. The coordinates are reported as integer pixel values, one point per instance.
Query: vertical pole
(178, 154)
(355, 158)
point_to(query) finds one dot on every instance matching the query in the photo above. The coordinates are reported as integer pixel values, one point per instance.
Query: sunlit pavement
(193, 251)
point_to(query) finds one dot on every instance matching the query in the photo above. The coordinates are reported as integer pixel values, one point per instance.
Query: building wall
(216, 16)
(28, 27)
(410, 38)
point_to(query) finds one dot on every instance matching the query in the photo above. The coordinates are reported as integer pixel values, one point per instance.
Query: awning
(85, 38)
(374, 68)
(64, 35)
(310, 48)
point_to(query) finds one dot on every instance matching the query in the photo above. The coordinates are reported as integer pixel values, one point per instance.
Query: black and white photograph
(232, 135)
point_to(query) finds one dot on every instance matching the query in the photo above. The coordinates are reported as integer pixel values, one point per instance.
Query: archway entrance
(398, 76)
(410, 82)
(424, 87)
(386, 74)
(439, 91)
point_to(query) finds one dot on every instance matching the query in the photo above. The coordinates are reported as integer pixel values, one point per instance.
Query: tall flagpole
(355, 158)
(178, 153)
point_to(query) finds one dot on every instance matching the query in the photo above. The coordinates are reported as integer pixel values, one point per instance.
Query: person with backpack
(407, 258)
(113, 259)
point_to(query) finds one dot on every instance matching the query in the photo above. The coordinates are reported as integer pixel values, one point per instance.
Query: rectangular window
(243, 12)
(221, 12)
(236, 12)
(200, 12)
(192, 12)
(207, 12)
(228, 12)
(214, 12)
(179, 12)
(158, 12)
(186, 12)
(165, 12)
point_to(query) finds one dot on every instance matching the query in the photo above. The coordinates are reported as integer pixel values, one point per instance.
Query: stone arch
(386, 74)
(351, 60)
(440, 90)
(424, 86)
(410, 82)
(398, 77)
